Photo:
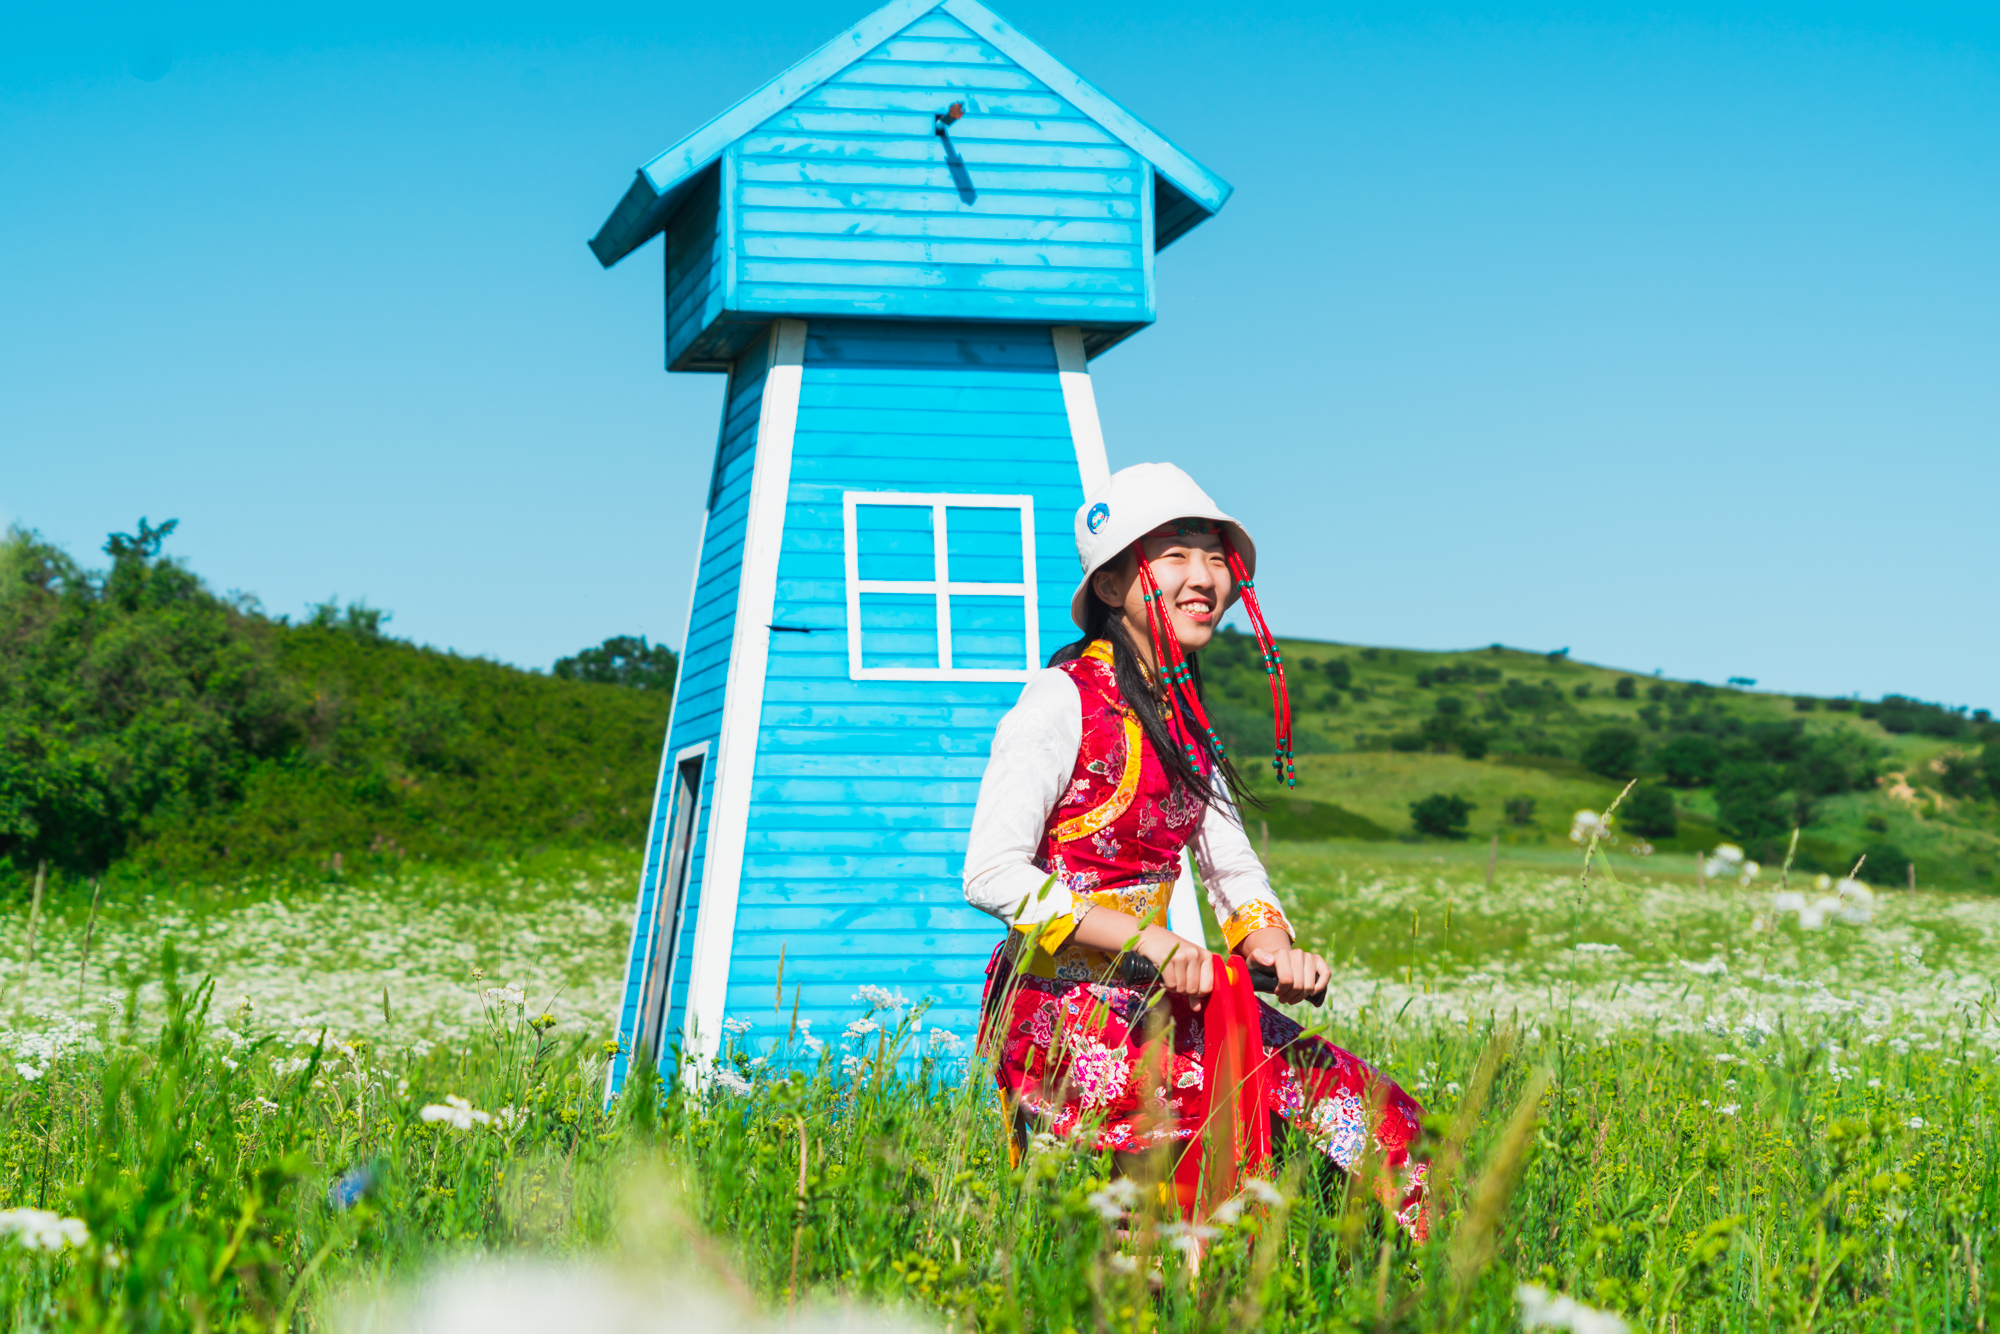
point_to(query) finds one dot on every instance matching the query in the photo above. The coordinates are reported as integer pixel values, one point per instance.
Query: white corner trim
(1080, 402)
(1183, 909)
(615, 1069)
(743, 699)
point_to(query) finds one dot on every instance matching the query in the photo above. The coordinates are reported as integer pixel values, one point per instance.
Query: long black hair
(1102, 621)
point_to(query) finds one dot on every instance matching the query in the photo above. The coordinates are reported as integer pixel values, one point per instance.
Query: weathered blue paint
(828, 192)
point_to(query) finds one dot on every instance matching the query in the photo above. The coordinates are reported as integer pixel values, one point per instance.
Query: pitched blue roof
(664, 182)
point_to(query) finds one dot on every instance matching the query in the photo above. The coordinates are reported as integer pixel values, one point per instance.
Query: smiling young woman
(1100, 777)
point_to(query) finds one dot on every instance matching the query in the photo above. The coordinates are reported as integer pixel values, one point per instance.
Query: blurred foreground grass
(1788, 1129)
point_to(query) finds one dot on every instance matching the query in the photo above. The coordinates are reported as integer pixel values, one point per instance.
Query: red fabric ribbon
(1233, 1127)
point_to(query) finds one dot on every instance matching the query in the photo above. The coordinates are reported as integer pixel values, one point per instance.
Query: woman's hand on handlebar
(1186, 968)
(1300, 973)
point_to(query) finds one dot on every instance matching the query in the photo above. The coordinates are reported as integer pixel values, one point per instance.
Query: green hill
(1529, 739)
(147, 723)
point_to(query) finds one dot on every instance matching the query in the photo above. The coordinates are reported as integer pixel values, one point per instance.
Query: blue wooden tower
(902, 251)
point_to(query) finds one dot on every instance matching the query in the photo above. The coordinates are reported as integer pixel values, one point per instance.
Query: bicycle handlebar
(1135, 970)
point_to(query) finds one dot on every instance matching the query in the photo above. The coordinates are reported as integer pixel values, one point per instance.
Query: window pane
(899, 630)
(989, 632)
(894, 542)
(983, 546)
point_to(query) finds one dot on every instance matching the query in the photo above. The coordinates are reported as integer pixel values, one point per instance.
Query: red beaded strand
(1274, 666)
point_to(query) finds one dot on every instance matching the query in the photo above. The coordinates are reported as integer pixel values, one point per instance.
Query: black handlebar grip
(1135, 970)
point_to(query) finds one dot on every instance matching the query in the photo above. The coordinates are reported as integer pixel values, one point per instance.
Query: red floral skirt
(1076, 1055)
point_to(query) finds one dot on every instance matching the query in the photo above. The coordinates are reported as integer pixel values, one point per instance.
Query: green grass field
(1675, 1103)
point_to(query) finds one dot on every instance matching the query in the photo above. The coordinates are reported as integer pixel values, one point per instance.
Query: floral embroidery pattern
(1098, 1074)
(1104, 845)
(1181, 807)
(1073, 1051)
(1252, 916)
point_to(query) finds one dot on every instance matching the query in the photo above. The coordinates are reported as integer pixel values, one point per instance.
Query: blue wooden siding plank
(909, 74)
(937, 175)
(931, 251)
(860, 715)
(883, 147)
(811, 764)
(865, 792)
(918, 119)
(981, 103)
(1120, 311)
(966, 278)
(962, 50)
(849, 200)
(950, 227)
(1004, 393)
(937, 24)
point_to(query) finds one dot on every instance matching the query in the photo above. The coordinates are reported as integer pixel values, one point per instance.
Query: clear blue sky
(1670, 335)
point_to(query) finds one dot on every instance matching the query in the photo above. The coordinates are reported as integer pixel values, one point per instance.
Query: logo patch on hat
(1100, 514)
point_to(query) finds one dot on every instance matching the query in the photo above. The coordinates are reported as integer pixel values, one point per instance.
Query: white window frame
(941, 584)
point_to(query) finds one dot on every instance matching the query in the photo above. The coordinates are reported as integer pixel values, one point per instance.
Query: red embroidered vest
(1115, 837)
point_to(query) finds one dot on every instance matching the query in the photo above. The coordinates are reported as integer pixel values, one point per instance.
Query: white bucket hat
(1133, 503)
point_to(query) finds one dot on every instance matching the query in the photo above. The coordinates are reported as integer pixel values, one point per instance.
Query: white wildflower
(513, 994)
(1117, 1198)
(1187, 1237)
(267, 1107)
(26, 1071)
(455, 1112)
(736, 1027)
(1915, 1123)
(731, 1082)
(1598, 947)
(1123, 1263)
(510, 1118)
(1585, 825)
(1750, 871)
(852, 1065)
(1728, 1109)
(1707, 968)
(880, 998)
(41, 1230)
(286, 1067)
(1263, 1192)
(861, 1028)
(1229, 1212)
(1542, 1309)
(943, 1041)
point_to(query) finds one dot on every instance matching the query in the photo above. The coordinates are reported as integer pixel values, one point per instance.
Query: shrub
(1657, 691)
(1804, 703)
(1408, 742)
(1749, 800)
(1688, 760)
(1340, 673)
(1989, 760)
(623, 660)
(1520, 810)
(1613, 752)
(1649, 714)
(1961, 775)
(1441, 816)
(125, 697)
(1451, 705)
(1583, 691)
(1886, 864)
(1650, 813)
(1473, 744)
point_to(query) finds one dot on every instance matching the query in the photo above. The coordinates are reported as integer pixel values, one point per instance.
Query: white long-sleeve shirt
(1033, 759)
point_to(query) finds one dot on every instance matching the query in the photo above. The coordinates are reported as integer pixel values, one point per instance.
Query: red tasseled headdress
(1185, 717)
